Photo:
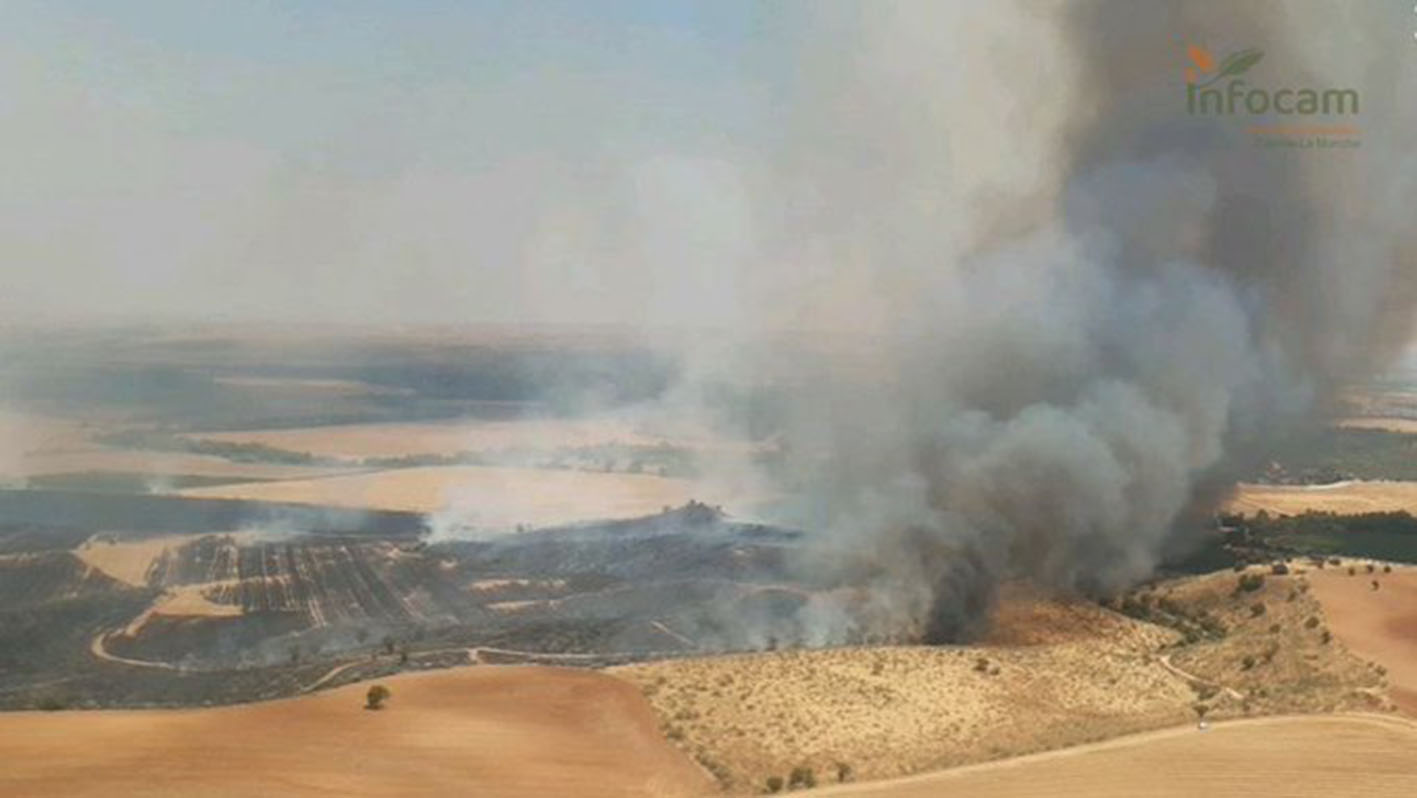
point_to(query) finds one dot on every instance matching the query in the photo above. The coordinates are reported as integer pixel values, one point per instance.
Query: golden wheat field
(1354, 496)
(484, 496)
(1390, 424)
(507, 731)
(404, 439)
(157, 465)
(1298, 757)
(1378, 624)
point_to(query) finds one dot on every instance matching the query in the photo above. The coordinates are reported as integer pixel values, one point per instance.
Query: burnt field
(215, 617)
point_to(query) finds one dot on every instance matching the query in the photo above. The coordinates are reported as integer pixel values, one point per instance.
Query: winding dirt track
(1298, 756)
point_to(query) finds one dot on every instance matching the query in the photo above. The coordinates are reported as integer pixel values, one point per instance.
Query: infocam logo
(1234, 96)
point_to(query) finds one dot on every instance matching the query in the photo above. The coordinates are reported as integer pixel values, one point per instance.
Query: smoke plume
(1081, 307)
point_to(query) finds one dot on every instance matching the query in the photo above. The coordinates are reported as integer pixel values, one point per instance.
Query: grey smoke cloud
(1088, 308)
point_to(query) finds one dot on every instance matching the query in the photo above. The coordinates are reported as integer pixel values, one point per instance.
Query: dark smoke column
(1084, 307)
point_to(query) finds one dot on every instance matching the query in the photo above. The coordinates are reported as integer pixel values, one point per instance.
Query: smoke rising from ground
(1084, 307)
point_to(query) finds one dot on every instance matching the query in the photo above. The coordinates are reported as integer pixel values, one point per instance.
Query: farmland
(1374, 613)
(1340, 497)
(1293, 756)
(508, 731)
(497, 498)
(242, 603)
(359, 442)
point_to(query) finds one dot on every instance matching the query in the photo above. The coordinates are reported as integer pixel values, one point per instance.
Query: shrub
(375, 698)
(843, 772)
(802, 776)
(1274, 628)
(1311, 622)
(1387, 569)
(1371, 568)
(1279, 569)
(1270, 651)
(1248, 662)
(1257, 609)
(1249, 583)
(774, 784)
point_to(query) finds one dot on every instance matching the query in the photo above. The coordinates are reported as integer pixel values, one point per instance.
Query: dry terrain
(354, 442)
(1380, 625)
(157, 465)
(1049, 676)
(488, 731)
(127, 561)
(885, 712)
(1354, 496)
(1383, 423)
(483, 496)
(1276, 654)
(1319, 756)
(37, 446)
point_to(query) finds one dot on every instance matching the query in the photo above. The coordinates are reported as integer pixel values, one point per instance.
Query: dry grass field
(1350, 497)
(1050, 675)
(1379, 625)
(127, 561)
(1406, 425)
(884, 712)
(36, 446)
(160, 464)
(507, 731)
(1318, 756)
(355, 442)
(1276, 654)
(492, 497)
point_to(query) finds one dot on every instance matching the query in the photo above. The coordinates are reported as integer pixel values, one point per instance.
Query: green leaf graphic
(1239, 63)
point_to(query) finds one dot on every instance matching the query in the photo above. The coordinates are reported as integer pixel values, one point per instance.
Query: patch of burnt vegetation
(1264, 537)
(1194, 623)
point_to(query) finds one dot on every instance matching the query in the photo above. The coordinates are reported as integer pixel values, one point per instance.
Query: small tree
(774, 782)
(375, 698)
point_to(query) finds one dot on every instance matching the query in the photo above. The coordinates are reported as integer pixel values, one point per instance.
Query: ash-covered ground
(216, 615)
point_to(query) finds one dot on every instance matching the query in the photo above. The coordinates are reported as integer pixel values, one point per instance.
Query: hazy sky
(374, 161)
